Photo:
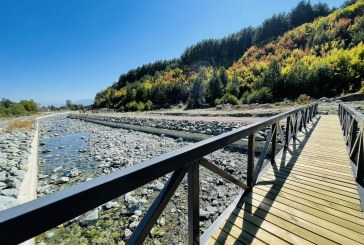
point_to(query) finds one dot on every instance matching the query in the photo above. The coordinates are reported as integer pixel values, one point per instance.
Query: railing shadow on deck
(246, 199)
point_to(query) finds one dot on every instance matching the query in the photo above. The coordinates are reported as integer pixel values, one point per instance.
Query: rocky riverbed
(15, 149)
(103, 150)
(202, 127)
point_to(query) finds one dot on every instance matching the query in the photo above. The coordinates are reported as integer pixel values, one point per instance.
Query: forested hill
(321, 58)
(225, 51)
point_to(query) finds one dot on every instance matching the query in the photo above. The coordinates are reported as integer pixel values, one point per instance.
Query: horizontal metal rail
(352, 122)
(27, 220)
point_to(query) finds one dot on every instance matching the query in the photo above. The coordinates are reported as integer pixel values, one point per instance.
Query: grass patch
(25, 125)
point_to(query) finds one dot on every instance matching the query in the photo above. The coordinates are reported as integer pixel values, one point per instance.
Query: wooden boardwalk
(308, 197)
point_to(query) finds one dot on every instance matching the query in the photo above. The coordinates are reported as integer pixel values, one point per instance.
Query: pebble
(127, 233)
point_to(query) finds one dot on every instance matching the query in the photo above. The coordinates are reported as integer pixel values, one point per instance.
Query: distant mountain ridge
(63, 103)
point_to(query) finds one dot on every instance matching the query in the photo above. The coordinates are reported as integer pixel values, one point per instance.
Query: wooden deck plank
(311, 162)
(239, 217)
(310, 186)
(319, 171)
(235, 231)
(354, 210)
(340, 218)
(316, 191)
(322, 172)
(274, 220)
(318, 182)
(308, 215)
(223, 237)
(328, 179)
(309, 196)
(349, 213)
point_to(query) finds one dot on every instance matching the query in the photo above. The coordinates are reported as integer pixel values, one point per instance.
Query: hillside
(321, 58)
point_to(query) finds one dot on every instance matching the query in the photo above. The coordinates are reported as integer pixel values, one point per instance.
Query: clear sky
(71, 49)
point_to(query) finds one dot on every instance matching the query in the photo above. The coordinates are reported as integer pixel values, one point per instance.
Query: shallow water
(66, 153)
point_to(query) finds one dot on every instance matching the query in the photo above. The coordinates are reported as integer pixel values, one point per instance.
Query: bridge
(310, 192)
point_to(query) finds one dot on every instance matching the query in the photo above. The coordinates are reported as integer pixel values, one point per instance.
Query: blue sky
(71, 49)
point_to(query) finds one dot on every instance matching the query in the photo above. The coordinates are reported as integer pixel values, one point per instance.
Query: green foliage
(322, 58)
(9, 108)
(148, 105)
(261, 95)
(140, 106)
(227, 98)
(223, 52)
(73, 107)
(197, 92)
(29, 105)
(131, 106)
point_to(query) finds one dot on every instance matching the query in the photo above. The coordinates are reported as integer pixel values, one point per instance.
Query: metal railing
(27, 220)
(352, 122)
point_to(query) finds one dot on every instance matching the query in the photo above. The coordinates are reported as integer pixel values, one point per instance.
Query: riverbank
(15, 153)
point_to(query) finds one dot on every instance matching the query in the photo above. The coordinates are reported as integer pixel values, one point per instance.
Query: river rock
(127, 233)
(162, 221)
(10, 192)
(130, 199)
(133, 225)
(91, 218)
(62, 180)
(57, 169)
(204, 215)
(3, 176)
(111, 204)
(7, 202)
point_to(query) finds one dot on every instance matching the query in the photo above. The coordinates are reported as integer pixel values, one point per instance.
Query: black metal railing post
(193, 204)
(251, 153)
(288, 126)
(274, 143)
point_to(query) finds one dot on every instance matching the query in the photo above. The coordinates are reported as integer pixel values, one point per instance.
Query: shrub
(304, 99)
(121, 109)
(262, 95)
(131, 106)
(148, 105)
(140, 106)
(244, 97)
(229, 98)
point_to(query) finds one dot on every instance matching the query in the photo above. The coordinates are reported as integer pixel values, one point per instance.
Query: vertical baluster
(300, 122)
(353, 134)
(360, 159)
(310, 114)
(294, 130)
(193, 204)
(288, 126)
(305, 118)
(274, 142)
(251, 153)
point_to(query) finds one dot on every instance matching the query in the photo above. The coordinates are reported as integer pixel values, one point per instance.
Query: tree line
(9, 108)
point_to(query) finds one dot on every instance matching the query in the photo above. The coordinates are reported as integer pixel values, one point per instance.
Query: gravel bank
(15, 149)
(113, 149)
